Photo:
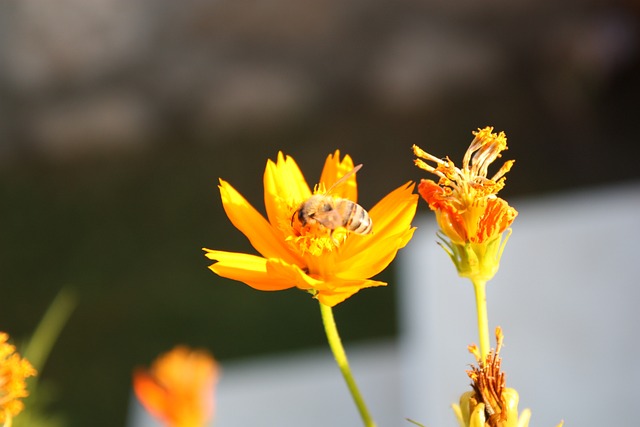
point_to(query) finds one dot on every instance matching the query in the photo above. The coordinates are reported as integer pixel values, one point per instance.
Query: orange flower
(331, 263)
(13, 372)
(467, 209)
(179, 387)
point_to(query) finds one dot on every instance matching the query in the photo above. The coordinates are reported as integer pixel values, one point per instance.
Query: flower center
(316, 225)
(315, 239)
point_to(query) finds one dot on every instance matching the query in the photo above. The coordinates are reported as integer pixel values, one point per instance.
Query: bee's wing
(343, 178)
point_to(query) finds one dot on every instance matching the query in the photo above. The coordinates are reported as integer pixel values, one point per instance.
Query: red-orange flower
(464, 200)
(332, 263)
(179, 387)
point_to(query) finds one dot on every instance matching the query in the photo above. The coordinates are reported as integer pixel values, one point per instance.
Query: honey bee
(334, 212)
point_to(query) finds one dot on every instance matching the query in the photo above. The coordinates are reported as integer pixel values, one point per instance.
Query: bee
(334, 212)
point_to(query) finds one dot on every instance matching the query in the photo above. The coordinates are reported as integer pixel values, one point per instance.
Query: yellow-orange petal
(453, 225)
(333, 170)
(390, 216)
(293, 274)
(250, 269)
(497, 217)
(343, 289)
(254, 226)
(443, 199)
(477, 417)
(374, 258)
(284, 189)
(395, 211)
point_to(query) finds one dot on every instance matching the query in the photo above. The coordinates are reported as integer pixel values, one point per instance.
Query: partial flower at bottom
(13, 372)
(491, 403)
(178, 389)
(331, 263)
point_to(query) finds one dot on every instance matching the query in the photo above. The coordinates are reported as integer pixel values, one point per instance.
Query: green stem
(49, 328)
(479, 287)
(341, 359)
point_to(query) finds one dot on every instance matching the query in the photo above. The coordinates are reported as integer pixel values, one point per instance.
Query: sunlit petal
(249, 269)
(375, 257)
(391, 215)
(343, 290)
(334, 169)
(253, 225)
(293, 275)
(395, 211)
(284, 189)
(498, 216)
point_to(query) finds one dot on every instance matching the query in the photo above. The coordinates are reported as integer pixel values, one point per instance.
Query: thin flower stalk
(480, 291)
(335, 343)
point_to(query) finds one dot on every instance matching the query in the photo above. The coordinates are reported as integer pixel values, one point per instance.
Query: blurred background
(117, 118)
